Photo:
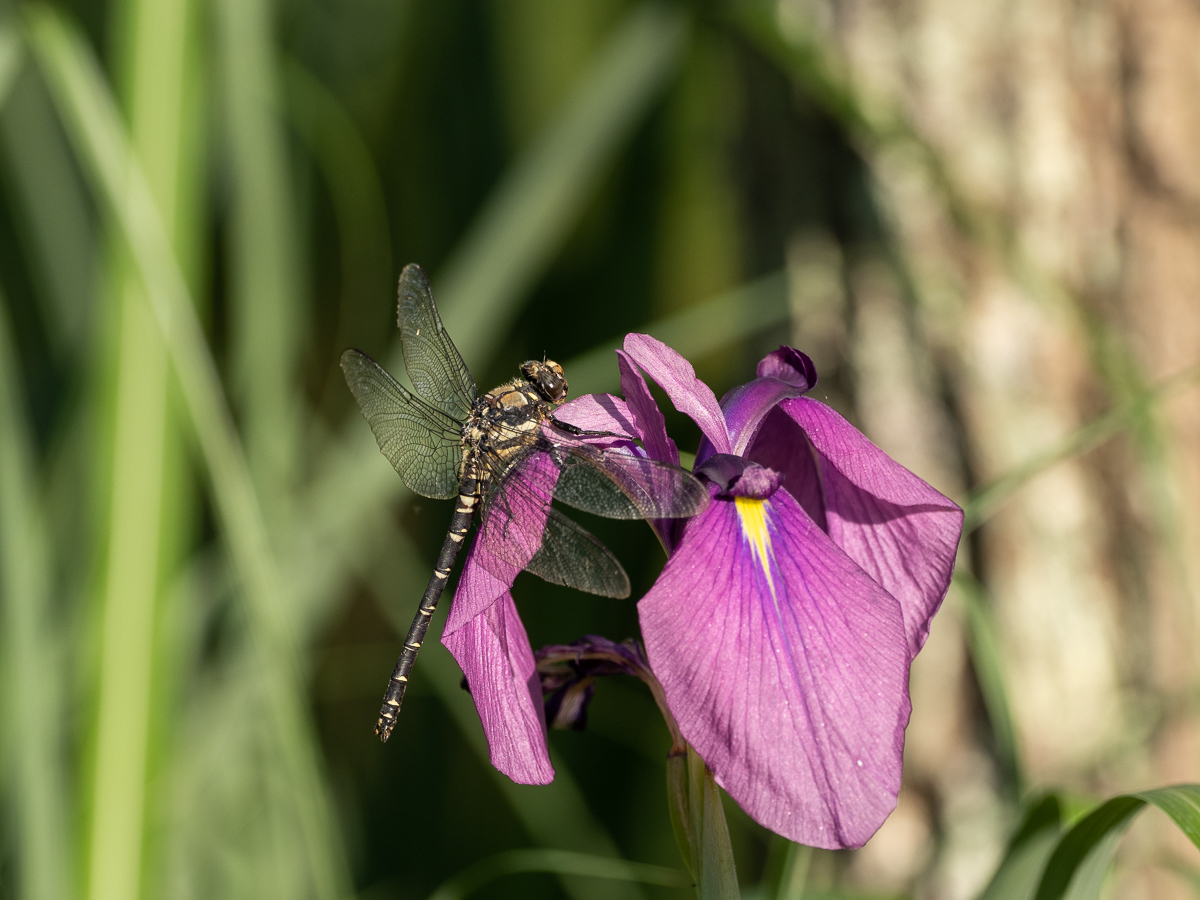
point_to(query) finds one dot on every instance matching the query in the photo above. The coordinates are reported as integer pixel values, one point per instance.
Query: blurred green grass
(205, 563)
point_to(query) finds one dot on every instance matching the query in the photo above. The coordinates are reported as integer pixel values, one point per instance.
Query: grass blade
(984, 501)
(78, 89)
(984, 646)
(556, 862)
(55, 224)
(1016, 877)
(265, 290)
(120, 778)
(34, 702)
(129, 601)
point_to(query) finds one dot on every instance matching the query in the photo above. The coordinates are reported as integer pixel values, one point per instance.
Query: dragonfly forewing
(422, 443)
(617, 484)
(435, 368)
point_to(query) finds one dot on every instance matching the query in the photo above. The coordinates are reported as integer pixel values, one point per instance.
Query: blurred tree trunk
(1039, 163)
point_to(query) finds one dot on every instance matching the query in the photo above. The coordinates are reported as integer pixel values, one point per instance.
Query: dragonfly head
(547, 377)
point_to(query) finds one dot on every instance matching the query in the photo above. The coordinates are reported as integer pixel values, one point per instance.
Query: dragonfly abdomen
(460, 524)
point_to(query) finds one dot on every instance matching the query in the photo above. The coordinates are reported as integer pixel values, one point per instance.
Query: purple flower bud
(568, 673)
(791, 366)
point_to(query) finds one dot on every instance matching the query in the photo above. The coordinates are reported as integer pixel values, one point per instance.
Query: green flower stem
(698, 819)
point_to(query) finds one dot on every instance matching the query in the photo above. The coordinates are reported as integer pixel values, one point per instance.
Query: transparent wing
(437, 372)
(520, 530)
(573, 557)
(421, 442)
(618, 485)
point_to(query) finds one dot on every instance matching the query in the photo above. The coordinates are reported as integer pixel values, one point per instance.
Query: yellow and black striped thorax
(507, 420)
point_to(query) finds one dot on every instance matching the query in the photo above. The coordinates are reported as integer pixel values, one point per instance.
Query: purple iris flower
(484, 632)
(784, 622)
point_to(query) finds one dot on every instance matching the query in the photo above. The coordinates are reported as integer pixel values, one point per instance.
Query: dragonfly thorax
(502, 424)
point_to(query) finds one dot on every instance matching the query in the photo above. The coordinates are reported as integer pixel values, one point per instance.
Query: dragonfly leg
(583, 432)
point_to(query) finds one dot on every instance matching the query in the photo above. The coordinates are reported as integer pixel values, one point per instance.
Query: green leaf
(1081, 858)
(1030, 847)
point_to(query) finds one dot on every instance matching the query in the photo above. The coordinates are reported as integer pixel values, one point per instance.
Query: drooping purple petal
(675, 375)
(648, 418)
(509, 535)
(901, 531)
(493, 651)
(792, 687)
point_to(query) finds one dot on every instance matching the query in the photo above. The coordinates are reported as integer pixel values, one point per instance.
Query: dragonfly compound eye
(547, 377)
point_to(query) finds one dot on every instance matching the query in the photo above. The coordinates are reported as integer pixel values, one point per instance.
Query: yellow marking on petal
(755, 516)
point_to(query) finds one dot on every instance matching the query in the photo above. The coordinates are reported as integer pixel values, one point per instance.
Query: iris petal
(512, 526)
(650, 424)
(786, 667)
(689, 394)
(782, 446)
(746, 406)
(493, 651)
(898, 528)
(598, 412)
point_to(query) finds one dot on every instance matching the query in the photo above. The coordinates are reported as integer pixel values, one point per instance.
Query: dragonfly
(506, 455)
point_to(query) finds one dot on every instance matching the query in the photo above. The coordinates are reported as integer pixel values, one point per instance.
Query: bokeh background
(982, 220)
